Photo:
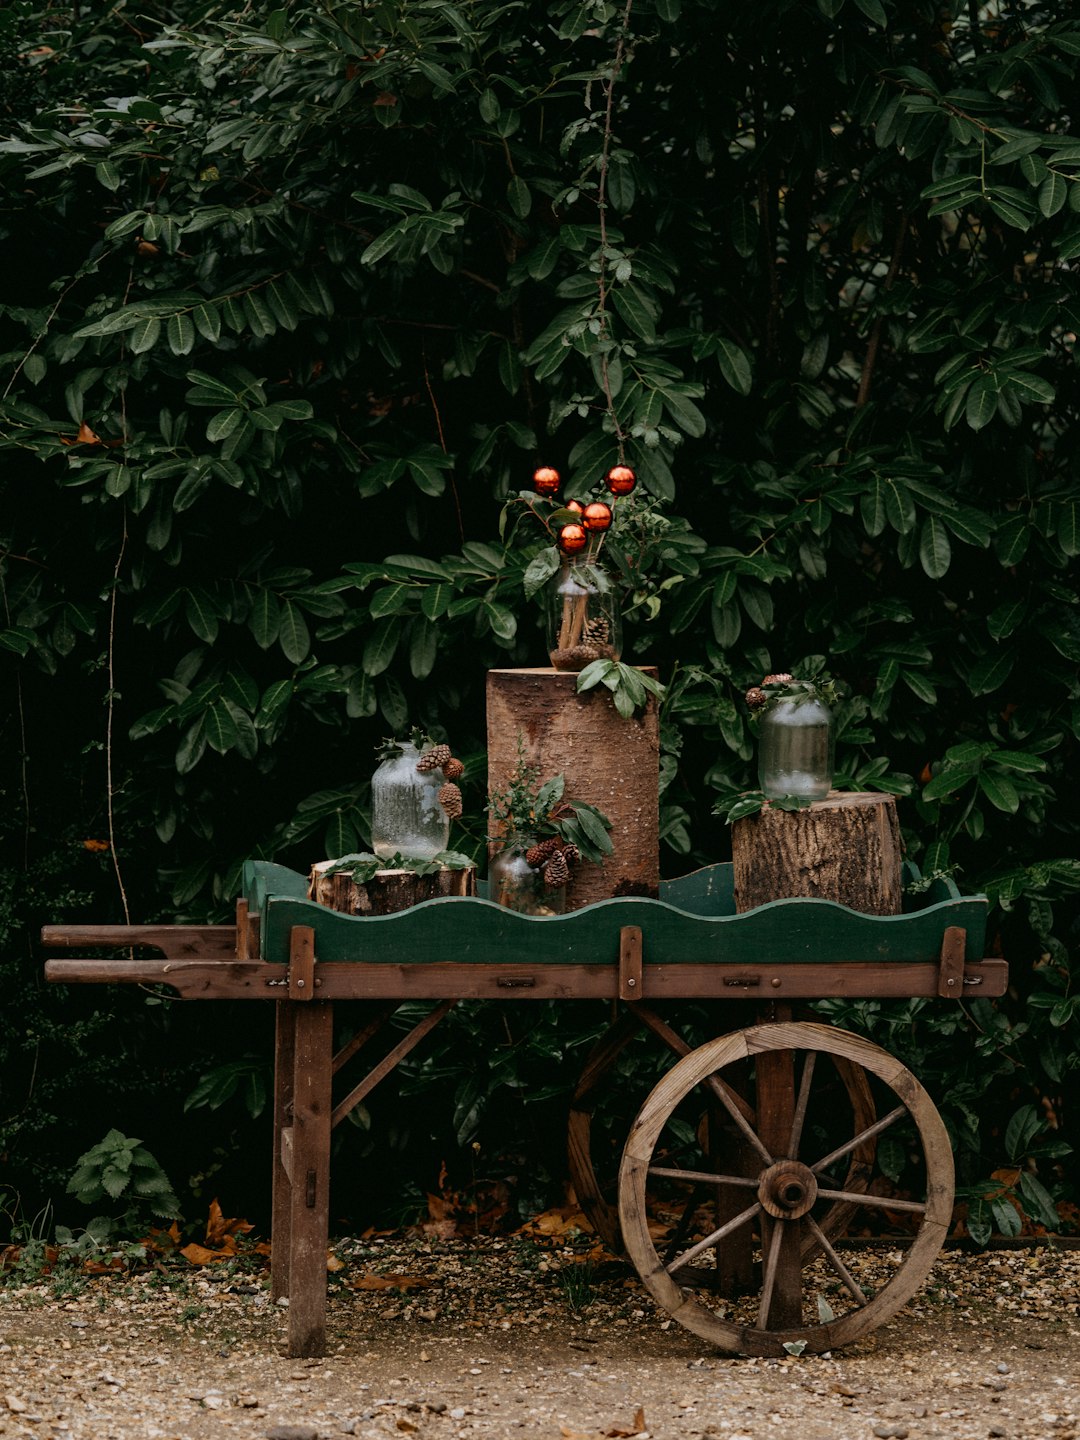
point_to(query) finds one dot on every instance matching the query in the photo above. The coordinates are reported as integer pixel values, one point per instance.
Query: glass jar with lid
(583, 622)
(795, 743)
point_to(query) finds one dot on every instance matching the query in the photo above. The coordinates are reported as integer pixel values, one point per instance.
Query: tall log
(608, 761)
(387, 891)
(845, 848)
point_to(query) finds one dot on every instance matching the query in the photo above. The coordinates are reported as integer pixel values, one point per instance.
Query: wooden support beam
(389, 1062)
(951, 969)
(309, 1189)
(281, 1174)
(302, 963)
(357, 980)
(630, 963)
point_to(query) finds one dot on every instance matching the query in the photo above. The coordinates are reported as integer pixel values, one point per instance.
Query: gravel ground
(461, 1340)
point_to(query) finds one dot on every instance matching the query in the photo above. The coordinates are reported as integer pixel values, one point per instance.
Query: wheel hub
(787, 1190)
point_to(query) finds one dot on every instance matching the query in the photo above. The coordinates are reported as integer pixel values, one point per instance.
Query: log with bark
(845, 848)
(387, 891)
(608, 761)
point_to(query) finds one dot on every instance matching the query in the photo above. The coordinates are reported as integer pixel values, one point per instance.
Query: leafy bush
(296, 297)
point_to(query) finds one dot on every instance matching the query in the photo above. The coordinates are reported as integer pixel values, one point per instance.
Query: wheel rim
(599, 1200)
(800, 1267)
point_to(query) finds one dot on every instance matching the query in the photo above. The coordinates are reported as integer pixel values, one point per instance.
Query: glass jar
(513, 882)
(406, 817)
(795, 747)
(583, 622)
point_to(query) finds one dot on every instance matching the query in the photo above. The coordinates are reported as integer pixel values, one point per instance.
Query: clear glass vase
(583, 622)
(406, 817)
(513, 882)
(795, 749)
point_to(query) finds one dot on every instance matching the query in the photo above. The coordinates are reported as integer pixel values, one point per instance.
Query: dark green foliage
(293, 300)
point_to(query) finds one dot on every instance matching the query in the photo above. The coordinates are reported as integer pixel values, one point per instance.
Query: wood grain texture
(388, 891)
(845, 848)
(345, 980)
(309, 1187)
(608, 761)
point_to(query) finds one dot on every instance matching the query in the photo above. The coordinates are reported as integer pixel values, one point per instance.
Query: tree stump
(608, 761)
(387, 891)
(844, 848)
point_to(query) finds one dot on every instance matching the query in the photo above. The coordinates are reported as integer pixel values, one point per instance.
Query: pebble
(293, 1432)
(891, 1432)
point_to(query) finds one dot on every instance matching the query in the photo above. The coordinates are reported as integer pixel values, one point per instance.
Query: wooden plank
(302, 963)
(244, 950)
(630, 963)
(343, 980)
(309, 1191)
(363, 1035)
(479, 932)
(195, 941)
(281, 1174)
(951, 970)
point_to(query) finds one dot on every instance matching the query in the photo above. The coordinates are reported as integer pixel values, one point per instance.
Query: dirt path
(488, 1340)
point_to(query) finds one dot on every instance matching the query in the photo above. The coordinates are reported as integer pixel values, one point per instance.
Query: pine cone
(596, 631)
(756, 697)
(453, 769)
(434, 759)
(782, 679)
(556, 872)
(571, 854)
(450, 800)
(542, 852)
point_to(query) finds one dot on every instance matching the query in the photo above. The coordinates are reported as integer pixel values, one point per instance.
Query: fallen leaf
(391, 1282)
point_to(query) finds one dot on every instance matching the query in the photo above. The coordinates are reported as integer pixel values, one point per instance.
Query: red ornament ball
(620, 480)
(572, 539)
(576, 506)
(597, 516)
(546, 481)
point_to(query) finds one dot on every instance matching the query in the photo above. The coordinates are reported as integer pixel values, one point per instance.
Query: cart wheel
(810, 1298)
(598, 1199)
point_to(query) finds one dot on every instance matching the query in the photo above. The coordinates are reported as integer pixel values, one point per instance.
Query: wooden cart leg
(281, 1212)
(781, 1240)
(310, 1185)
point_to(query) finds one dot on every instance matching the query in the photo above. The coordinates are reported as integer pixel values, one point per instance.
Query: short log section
(609, 761)
(388, 891)
(844, 848)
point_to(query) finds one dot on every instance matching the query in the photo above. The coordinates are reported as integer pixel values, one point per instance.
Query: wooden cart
(752, 1155)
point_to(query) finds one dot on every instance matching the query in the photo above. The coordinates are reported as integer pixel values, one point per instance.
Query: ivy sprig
(740, 804)
(363, 866)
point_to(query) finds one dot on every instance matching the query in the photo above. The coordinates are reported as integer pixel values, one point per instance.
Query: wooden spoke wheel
(811, 1296)
(598, 1196)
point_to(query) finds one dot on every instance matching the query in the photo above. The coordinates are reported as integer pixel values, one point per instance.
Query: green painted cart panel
(692, 922)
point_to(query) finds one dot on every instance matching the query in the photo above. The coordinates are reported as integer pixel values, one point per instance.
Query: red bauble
(597, 516)
(576, 506)
(546, 481)
(572, 539)
(620, 480)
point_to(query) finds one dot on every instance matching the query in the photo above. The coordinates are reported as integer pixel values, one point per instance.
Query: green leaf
(202, 615)
(734, 365)
(1012, 540)
(935, 552)
(991, 672)
(1052, 194)
(144, 334)
(540, 570)
(635, 311)
(1002, 621)
(265, 620)
(518, 197)
(221, 730)
(873, 10)
(423, 647)
(180, 333)
(982, 402)
(999, 790)
(293, 634)
(1068, 527)
(381, 645)
(222, 425)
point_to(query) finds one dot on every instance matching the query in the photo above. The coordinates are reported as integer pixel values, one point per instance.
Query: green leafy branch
(630, 688)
